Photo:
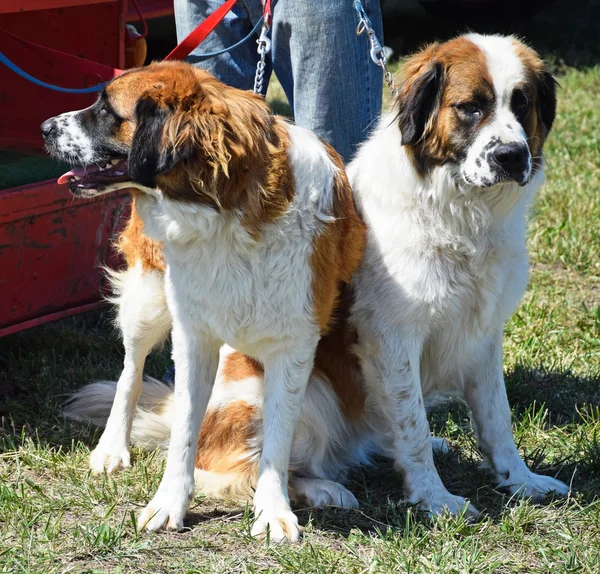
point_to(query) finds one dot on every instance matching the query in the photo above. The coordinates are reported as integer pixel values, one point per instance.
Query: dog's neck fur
(180, 224)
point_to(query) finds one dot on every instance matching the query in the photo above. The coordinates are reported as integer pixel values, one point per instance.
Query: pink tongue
(76, 171)
(65, 178)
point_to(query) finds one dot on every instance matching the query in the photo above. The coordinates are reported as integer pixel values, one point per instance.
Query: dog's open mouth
(97, 178)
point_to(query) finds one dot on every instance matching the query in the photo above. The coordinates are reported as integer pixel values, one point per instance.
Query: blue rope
(4, 60)
(11, 66)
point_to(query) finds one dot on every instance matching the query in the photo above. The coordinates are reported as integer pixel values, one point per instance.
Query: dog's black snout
(48, 127)
(513, 158)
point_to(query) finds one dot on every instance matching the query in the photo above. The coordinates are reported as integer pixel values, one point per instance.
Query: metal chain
(264, 47)
(389, 79)
(377, 51)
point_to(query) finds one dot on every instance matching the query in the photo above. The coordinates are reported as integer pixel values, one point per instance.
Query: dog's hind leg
(144, 322)
(485, 393)
(317, 492)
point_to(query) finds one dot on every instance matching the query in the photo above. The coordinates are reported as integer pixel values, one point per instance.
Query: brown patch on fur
(135, 246)
(338, 250)
(239, 367)
(336, 361)
(219, 146)
(224, 440)
(337, 253)
(464, 77)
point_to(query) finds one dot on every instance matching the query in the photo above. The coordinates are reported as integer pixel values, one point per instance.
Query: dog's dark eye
(519, 103)
(469, 109)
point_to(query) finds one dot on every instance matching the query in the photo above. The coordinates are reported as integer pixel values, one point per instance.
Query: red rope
(197, 36)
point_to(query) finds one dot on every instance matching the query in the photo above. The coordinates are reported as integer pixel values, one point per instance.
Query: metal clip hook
(377, 52)
(264, 42)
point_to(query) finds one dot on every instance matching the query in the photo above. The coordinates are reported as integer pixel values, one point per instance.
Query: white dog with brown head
(444, 187)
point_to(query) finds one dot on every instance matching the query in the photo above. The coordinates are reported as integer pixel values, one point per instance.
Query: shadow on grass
(563, 394)
(41, 367)
(549, 399)
(38, 369)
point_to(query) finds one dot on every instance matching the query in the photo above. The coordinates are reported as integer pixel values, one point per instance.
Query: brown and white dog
(259, 232)
(443, 184)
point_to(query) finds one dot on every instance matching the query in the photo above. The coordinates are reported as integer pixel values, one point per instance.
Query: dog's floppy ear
(417, 100)
(146, 156)
(167, 135)
(161, 140)
(546, 100)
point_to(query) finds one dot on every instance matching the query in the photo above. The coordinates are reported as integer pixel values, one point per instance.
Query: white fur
(144, 322)
(320, 492)
(72, 140)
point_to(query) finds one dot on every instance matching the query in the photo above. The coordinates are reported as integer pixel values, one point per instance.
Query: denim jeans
(323, 66)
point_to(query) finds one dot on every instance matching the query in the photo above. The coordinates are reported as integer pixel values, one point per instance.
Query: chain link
(388, 78)
(264, 47)
(377, 51)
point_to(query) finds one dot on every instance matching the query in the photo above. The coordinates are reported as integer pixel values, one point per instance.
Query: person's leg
(237, 67)
(325, 69)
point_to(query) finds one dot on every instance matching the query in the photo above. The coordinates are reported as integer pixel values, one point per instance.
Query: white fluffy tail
(152, 429)
(152, 423)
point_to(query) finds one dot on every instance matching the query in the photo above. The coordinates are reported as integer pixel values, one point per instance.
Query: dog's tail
(152, 423)
(228, 445)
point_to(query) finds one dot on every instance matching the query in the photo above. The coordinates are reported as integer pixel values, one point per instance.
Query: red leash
(267, 12)
(198, 34)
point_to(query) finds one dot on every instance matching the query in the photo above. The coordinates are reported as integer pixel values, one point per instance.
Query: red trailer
(52, 245)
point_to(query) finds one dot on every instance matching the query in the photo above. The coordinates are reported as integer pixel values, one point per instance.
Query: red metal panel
(52, 317)
(51, 248)
(28, 5)
(150, 9)
(52, 245)
(95, 33)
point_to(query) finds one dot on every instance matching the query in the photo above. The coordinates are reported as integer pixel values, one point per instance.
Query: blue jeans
(323, 66)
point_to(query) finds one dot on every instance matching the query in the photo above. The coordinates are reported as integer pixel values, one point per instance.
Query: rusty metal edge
(51, 317)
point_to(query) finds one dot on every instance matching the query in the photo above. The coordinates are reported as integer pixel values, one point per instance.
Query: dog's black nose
(513, 158)
(47, 127)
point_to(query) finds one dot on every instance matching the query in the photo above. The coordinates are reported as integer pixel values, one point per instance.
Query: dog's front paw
(278, 525)
(530, 485)
(167, 510)
(109, 457)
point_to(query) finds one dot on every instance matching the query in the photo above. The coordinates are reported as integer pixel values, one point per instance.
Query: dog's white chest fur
(445, 271)
(233, 286)
(237, 287)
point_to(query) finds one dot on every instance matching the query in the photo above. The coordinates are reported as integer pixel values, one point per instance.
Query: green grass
(57, 517)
